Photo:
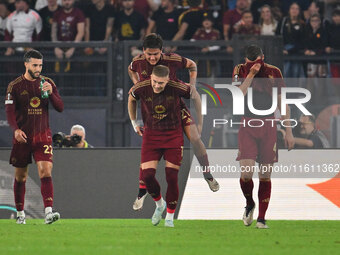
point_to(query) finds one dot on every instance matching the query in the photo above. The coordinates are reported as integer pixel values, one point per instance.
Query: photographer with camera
(307, 136)
(75, 139)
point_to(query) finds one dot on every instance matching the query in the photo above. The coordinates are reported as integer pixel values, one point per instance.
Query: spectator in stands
(129, 24)
(267, 22)
(309, 137)
(68, 25)
(78, 130)
(217, 9)
(231, 4)
(40, 4)
(146, 7)
(292, 30)
(99, 24)
(165, 20)
(190, 21)
(303, 6)
(256, 7)
(4, 13)
(246, 26)
(333, 34)
(208, 33)
(315, 44)
(46, 14)
(231, 17)
(23, 25)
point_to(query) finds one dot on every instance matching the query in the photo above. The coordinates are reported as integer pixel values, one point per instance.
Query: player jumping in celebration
(162, 136)
(259, 143)
(27, 114)
(139, 70)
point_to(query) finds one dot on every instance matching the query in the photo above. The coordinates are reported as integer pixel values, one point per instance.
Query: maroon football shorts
(168, 143)
(21, 154)
(258, 143)
(187, 119)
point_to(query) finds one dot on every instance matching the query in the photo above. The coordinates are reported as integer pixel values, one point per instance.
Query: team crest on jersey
(24, 93)
(144, 72)
(35, 102)
(159, 109)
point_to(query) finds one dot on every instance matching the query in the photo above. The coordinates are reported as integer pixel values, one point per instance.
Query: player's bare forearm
(246, 83)
(181, 32)
(303, 142)
(132, 108)
(133, 76)
(80, 32)
(192, 67)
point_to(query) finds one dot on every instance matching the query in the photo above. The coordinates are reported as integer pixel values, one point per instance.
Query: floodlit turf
(115, 236)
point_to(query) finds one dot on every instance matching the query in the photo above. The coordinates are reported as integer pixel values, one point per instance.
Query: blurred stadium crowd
(307, 27)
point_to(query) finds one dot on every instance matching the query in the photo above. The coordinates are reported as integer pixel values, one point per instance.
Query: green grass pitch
(116, 236)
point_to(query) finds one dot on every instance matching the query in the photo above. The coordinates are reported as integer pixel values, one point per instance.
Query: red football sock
(47, 191)
(141, 180)
(204, 162)
(151, 183)
(172, 190)
(19, 194)
(247, 189)
(264, 197)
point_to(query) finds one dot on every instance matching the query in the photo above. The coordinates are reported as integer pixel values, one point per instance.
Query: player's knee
(265, 179)
(246, 178)
(21, 178)
(171, 176)
(149, 174)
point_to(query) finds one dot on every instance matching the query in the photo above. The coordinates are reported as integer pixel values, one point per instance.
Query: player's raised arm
(55, 98)
(192, 67)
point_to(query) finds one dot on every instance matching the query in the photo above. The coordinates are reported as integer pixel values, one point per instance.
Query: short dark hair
(153, 41)
(311, 118)
(336, 12)
(194, 3)
(247, 11)
(253, 52)
(161, 71)
(32, 54)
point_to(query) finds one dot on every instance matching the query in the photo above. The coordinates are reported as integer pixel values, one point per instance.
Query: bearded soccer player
(27, 115)
(258, 144)
(140, 69)
(163, 136)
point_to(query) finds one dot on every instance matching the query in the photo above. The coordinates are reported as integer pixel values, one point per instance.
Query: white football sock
(21, 213)
(159, 203)
(169, 216)
(48, 210)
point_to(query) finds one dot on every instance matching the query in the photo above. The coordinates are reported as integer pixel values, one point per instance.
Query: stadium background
(95, 96)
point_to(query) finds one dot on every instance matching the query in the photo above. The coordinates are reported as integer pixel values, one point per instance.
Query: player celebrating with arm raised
(27, 101)
(140, 69)
(259, 143)
(162, 136)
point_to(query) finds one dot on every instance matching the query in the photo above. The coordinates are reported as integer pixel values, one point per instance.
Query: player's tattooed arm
(192, 67)
(289, 138)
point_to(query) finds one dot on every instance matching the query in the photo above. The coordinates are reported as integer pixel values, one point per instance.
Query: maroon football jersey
(26, 110)
(161, 111)
(67, 23)
(268, 77)
(202, 34)
(144, 69)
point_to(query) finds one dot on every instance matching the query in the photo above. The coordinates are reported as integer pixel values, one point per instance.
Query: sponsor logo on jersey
(35, 102)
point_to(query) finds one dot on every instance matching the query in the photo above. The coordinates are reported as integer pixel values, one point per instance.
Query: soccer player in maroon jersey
(27, 115)
(140, 69)
(162, 136)
(259, 143)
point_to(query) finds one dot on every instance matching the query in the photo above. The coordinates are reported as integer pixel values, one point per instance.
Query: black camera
(60, 140)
